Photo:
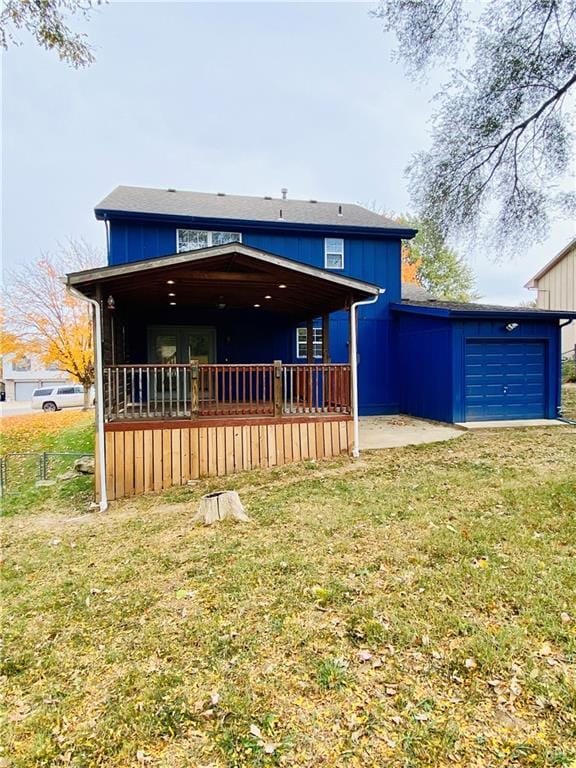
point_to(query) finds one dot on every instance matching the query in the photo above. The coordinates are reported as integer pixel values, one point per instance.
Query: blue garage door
(505, 380)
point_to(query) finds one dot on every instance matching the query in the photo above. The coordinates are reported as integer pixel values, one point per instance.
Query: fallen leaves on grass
(355, 628)
(34, 431)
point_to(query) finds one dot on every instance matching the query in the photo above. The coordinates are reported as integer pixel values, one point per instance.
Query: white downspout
(99, 387)
(354, 368)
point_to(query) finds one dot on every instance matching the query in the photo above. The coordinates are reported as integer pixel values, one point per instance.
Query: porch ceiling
(233, 275)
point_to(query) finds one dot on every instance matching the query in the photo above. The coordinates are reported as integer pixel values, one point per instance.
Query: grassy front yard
(414, 609)
(569, 401)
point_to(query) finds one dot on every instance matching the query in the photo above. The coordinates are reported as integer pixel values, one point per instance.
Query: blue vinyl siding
(373, 259)
(423, 366)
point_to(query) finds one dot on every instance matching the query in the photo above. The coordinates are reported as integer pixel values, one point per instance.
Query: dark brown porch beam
(240, 277)
(325, 338)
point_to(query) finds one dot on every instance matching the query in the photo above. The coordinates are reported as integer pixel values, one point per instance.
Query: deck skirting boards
(147, 457)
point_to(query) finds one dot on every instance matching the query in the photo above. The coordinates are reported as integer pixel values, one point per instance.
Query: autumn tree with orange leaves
(46, 320)
(9, 343)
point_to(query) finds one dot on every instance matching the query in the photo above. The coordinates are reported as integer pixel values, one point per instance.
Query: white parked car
(63, 396)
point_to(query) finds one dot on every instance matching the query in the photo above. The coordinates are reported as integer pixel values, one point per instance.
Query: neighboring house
(23, 375)
(228, 326)
(556, 286)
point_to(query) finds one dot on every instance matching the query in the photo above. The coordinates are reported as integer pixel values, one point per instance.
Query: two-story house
(239, 332)
(22, 375)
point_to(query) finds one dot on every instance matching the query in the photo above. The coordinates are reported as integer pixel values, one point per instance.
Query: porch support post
(278, 388)
(325, 338)
(310, 342)
(194, 389)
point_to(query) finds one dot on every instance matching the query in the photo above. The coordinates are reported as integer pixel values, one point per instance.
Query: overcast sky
(240, 98)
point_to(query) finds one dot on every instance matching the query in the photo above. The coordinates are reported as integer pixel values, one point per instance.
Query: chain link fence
(20, 470)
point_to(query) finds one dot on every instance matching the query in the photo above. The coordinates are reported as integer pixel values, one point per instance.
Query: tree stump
(218, 506)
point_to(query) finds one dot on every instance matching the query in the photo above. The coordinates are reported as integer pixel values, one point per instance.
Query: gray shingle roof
(223, 206)
(411, 292)
(468, 308)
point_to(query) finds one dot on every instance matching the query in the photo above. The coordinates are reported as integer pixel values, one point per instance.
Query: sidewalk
(13, 408)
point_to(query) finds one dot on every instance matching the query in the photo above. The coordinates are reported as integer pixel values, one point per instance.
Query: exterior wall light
(110, 303)
(511, 326)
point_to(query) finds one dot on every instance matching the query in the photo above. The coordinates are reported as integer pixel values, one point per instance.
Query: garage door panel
(505, 380)
(23, 390)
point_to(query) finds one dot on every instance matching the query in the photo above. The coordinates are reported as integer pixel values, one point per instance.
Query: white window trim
(333, 253)
(208, 232)
(314, 331)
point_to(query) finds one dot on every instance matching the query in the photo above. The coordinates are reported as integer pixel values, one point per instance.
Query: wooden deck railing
(315, 389)
(158, 392)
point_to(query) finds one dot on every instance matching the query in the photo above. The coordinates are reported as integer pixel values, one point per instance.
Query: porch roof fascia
(94, 276)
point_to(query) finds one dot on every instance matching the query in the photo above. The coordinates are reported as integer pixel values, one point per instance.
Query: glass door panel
(200, 345)
(165, 348)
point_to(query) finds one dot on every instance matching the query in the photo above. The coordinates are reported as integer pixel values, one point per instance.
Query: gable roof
(234, 274)
(210, 206)
(552, 263)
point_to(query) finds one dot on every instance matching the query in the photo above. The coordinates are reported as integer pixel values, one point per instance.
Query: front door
(169, 345)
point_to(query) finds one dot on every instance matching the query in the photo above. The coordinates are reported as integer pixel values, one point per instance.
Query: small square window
(302, 342)
(333, 253)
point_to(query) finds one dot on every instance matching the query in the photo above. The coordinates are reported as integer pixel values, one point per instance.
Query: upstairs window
(22, 364)
(193, 239)
(302, 342)
(333, 253)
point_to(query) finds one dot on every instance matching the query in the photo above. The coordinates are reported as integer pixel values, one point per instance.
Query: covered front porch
(218, 360)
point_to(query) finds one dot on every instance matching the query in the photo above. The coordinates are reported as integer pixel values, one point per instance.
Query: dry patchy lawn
(414, 609)
(569, 401)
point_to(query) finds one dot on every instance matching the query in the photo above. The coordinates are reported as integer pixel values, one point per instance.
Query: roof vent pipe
(284, 191)
(280, 216)
(340, 211)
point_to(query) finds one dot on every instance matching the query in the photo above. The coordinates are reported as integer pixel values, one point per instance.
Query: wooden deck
(156, 455)
(168, 424)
